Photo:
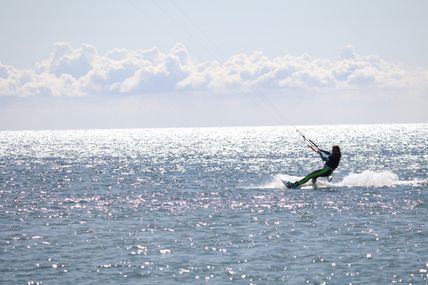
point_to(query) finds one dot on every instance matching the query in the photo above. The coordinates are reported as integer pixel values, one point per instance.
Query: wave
(367, 178)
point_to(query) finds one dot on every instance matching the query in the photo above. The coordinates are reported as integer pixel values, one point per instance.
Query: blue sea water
(198, 206)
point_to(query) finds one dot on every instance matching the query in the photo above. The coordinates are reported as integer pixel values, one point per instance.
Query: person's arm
(324, 154)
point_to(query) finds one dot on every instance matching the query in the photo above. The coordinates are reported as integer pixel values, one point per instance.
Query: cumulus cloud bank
(84, 71)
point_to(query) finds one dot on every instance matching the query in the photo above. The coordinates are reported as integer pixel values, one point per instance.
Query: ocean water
(198, 206)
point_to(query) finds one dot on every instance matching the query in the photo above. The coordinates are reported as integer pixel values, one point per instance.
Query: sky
(169, 63)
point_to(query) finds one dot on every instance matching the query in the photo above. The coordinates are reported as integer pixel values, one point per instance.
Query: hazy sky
(127, 64)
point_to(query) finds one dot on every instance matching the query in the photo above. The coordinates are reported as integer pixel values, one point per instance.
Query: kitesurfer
(331, 163)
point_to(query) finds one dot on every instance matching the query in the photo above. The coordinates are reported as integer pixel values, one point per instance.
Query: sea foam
(369, 178)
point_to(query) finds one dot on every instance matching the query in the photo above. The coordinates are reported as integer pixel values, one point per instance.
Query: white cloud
(66, 60)
(26, 83)
(83, 71)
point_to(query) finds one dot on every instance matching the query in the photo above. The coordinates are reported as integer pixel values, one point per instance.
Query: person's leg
(327, 174)
(313, 175)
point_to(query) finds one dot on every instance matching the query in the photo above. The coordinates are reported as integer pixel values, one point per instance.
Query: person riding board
(331, 163)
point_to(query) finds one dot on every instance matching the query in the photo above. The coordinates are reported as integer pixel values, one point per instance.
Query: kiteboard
(290, 185)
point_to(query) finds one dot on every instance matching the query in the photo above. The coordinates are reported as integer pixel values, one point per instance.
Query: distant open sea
(207, 206)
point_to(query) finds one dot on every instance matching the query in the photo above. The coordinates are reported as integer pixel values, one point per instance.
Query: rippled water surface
(196, 206)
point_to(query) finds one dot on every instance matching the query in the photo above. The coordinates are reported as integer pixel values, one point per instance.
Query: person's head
(336, 150)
